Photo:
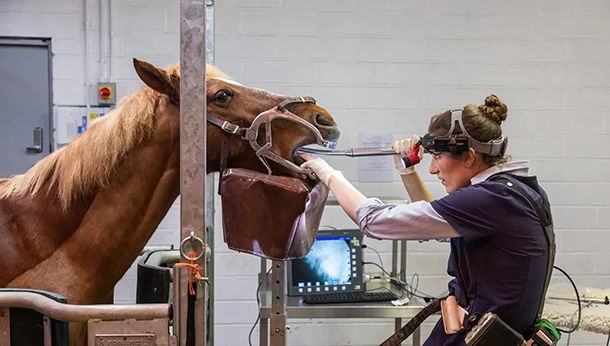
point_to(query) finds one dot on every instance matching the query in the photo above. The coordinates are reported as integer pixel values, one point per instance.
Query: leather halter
(251, 133)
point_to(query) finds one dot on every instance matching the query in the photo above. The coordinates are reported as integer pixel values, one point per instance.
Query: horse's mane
(88, 161)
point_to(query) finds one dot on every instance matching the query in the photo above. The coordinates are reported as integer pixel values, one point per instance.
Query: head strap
(494, 147)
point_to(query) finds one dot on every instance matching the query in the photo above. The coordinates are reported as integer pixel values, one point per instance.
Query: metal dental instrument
(352, 152)
(411, 160)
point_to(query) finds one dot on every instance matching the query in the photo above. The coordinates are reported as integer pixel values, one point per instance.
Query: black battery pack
(492, 331)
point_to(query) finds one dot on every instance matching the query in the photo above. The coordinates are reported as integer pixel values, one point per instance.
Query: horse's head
(232, 108)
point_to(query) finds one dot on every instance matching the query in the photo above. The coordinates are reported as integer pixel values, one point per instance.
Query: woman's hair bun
(494, 109)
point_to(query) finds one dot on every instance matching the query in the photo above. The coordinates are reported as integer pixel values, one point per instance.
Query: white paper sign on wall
(375, 168)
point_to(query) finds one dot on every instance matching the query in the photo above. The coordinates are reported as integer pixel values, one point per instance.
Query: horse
(75, 222)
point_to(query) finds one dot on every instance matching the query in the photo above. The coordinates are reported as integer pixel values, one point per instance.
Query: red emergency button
(105, 93)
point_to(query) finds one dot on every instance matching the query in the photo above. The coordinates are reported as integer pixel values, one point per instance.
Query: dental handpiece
(411, 160)
(352, 152)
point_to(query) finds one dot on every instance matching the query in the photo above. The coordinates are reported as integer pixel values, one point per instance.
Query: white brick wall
(383, 66)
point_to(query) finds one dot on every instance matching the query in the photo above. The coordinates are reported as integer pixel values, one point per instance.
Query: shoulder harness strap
(544, 214)
(463, 299)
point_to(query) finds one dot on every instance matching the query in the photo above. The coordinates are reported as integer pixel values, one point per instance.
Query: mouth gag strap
(494, 147)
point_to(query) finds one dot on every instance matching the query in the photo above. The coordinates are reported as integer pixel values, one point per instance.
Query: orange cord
(195, 270)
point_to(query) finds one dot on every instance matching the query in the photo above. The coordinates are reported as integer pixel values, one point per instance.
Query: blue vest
(503, 258)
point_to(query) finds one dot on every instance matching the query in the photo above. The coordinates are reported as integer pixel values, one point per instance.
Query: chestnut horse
(75, 222)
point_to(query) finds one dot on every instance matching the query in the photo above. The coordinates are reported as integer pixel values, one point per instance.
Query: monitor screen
(334, 264)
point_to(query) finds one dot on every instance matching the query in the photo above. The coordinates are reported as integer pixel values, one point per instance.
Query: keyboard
(350, 297)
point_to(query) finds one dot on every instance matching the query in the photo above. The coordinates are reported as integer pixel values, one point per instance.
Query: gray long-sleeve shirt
(417, 220)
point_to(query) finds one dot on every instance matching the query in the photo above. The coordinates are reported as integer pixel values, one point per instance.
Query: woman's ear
(471, 157)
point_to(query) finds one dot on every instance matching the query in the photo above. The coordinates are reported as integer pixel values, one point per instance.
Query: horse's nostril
(323, 121)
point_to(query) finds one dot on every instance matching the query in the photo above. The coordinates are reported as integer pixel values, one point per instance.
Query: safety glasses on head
(460, 142)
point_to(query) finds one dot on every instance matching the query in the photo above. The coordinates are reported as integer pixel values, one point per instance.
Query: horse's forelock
(211, 72)
(228, 81)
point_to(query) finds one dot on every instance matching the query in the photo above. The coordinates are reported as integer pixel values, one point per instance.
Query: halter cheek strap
(251, 134)
(494, 147)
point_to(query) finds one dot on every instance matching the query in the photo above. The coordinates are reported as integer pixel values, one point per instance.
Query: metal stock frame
(196, 199)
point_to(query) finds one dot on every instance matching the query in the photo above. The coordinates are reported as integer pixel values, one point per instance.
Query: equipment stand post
(278, 329)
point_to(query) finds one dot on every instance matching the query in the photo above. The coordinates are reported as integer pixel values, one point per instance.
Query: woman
(498, 243)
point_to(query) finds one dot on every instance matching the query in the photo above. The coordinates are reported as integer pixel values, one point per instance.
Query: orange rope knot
(195, 271)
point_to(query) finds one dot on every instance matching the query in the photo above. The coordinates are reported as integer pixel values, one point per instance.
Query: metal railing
(82, 313)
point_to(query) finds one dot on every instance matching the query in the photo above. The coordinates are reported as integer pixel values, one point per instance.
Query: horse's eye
(222, 96)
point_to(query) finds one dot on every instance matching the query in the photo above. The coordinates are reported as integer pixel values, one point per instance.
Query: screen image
(328, 263)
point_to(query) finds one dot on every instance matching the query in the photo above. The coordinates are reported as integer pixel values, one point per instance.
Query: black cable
(417, 285)
(364, 246)
(608, 341)
(427, 297)
(577, 298)
(378, 266)
(254, 326)
(410, 293)
(331, 227)
(258, 304)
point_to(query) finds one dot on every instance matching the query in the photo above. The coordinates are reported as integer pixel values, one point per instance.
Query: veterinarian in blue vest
(498, 243)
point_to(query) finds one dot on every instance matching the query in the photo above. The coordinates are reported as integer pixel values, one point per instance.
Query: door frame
(38, 42)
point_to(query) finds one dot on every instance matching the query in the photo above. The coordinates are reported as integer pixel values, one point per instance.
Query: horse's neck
(123, 217)
(118, 223)
(32, 228)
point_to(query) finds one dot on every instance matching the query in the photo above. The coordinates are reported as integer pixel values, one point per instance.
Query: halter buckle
(227, 126)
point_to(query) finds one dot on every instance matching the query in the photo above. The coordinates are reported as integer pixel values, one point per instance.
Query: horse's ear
(157, 79)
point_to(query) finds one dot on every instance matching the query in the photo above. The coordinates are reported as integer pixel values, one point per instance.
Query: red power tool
(413, 157)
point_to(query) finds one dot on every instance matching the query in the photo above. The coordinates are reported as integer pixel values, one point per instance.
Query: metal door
(25, 104)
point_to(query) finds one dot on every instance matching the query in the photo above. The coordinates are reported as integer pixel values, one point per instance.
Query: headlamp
(438, 144)
(462, 141)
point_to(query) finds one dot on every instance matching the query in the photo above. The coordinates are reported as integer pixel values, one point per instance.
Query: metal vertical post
(395, 273)
(394, 258)
(176, 309)
(209, 215)
(403, 261)
(263, 320)
(5, 327)
(401, 274)
(277, 332)
(192, 155)
(264, 334)
(46, 331)
(416, 337)
(262, 276)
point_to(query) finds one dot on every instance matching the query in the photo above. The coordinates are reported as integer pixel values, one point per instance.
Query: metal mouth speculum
(264, 152)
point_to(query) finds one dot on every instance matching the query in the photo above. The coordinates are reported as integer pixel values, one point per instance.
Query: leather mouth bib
(269, 216)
